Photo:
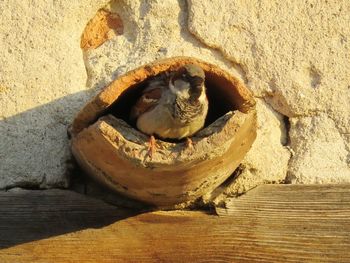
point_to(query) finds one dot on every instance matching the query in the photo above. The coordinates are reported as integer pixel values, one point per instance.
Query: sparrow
(173, 105)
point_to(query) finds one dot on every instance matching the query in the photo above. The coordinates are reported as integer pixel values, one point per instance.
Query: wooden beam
(27, 216)
(272, 223)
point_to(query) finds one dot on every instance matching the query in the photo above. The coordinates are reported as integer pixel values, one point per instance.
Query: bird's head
(194, 76)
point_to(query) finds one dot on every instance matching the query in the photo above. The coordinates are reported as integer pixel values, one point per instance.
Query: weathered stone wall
(293, 55)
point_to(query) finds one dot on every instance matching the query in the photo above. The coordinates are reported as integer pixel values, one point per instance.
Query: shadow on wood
(272, 223)
(26, 216)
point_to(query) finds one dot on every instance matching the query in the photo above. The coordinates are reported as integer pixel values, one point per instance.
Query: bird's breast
(161, 122)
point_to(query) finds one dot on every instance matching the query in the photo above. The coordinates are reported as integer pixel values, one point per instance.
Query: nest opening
(110, 148)
(219, 102)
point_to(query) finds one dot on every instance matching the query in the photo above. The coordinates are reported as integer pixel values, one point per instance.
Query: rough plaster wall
(293, 55)
(318, 144)
(42, 85)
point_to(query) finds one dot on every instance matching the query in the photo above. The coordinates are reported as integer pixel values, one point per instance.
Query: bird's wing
(149, 98)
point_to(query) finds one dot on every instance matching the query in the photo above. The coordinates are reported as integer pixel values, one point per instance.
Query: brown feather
(146, 102)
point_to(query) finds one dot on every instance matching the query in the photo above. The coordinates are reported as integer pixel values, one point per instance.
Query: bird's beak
(197, 82)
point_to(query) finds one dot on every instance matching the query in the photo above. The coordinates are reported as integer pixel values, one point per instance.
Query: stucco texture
(293, 55)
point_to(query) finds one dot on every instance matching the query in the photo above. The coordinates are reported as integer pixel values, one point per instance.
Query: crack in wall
(242, 72)
(239, 68)
(217, 51)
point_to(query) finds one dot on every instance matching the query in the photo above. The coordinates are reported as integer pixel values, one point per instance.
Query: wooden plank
(294, 222)
(272, 223)
(32, 215)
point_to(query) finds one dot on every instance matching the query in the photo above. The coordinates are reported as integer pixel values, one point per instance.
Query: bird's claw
(151, 146)
(189, 143)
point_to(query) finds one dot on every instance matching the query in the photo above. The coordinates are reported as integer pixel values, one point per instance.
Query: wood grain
(272, 223)
(27, 216)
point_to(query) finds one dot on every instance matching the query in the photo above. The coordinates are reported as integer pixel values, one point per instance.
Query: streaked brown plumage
(173, 105)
